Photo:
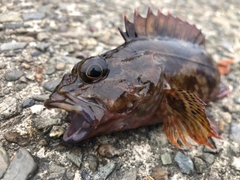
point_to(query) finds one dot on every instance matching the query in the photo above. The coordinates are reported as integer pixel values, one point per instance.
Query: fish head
(106, 94)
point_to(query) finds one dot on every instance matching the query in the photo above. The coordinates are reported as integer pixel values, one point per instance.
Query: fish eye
(93, 70)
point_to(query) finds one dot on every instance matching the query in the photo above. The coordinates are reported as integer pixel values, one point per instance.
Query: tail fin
(185, 119)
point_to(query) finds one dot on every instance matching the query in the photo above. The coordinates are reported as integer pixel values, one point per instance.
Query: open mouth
(83, 114)
(78, 129)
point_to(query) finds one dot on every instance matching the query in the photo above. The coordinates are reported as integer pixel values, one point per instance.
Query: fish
(160, 74)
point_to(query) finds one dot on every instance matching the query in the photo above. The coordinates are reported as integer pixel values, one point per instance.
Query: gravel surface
(42, 40)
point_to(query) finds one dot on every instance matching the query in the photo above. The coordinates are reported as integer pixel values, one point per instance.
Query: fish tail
(185, 121)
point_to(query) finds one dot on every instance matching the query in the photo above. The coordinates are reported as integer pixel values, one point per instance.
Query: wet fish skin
(161, 74)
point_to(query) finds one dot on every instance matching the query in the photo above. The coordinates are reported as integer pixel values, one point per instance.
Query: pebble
(51, 50)
(158, 138)
(15, 137)
(75, 157)
(43, 142)
(35, 53)
(2, 65)
(42, 123)
(105, 38)
(130, 174)
(70, 48)
(235, 132)
(22, 166)
(92, 27)
(30, 76)
(72, 34)
(237, 100)
(89, 42)
(4, 160)
(47, 9)
(104, 171)
(6, 91)
(8, 108)
(13, 25)
(221, 125)
(60, 66)
(13, 46)
(226, 116)
(19, 87)
(107, 150)
(50, 70)
(22, 31)
(70, 175)
(208, 158)
(8, 17)
(51, 85)
(10, 53)
(227, 46)
(184, 162)
(56, 171)
(214, 175)
(43, 46)
(116, 40)
(92, 162)
(44, 119)
(200, 165)
(236, 163)
(25, 65)
(42, 36)
(85, 175)
(56, 132)
(159, 173)
(13, 75)
(81, 55)
(37, 108)
(207, 149)
(38, 77)
(166, 158)
(28, 103)
(25, 38)
(66, 59)
(33, 16)
(234, 149)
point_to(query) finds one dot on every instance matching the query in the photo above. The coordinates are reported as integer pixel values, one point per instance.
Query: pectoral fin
(185, 119)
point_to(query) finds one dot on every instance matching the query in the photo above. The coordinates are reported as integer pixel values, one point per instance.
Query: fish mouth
(83, 113)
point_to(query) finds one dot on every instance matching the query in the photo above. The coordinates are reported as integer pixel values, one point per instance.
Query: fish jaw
(79, 128)
(84, 115)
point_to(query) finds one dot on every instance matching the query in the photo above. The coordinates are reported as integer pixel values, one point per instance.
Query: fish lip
(81, 112)
(55, 100)
(62, 105)
(70, 102)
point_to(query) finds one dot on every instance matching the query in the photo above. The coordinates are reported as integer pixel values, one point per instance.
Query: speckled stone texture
(40, 41)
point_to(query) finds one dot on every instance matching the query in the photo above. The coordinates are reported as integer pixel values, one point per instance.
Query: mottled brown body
(161, 73)
(186, 66)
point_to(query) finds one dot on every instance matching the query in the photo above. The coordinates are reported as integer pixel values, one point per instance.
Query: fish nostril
(57, 96)
(66, 89)
(68, 79)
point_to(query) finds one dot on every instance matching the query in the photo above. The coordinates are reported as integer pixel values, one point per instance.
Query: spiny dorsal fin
(161, 26)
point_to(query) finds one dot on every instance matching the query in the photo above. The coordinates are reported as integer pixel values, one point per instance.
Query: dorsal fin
(161, 26)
